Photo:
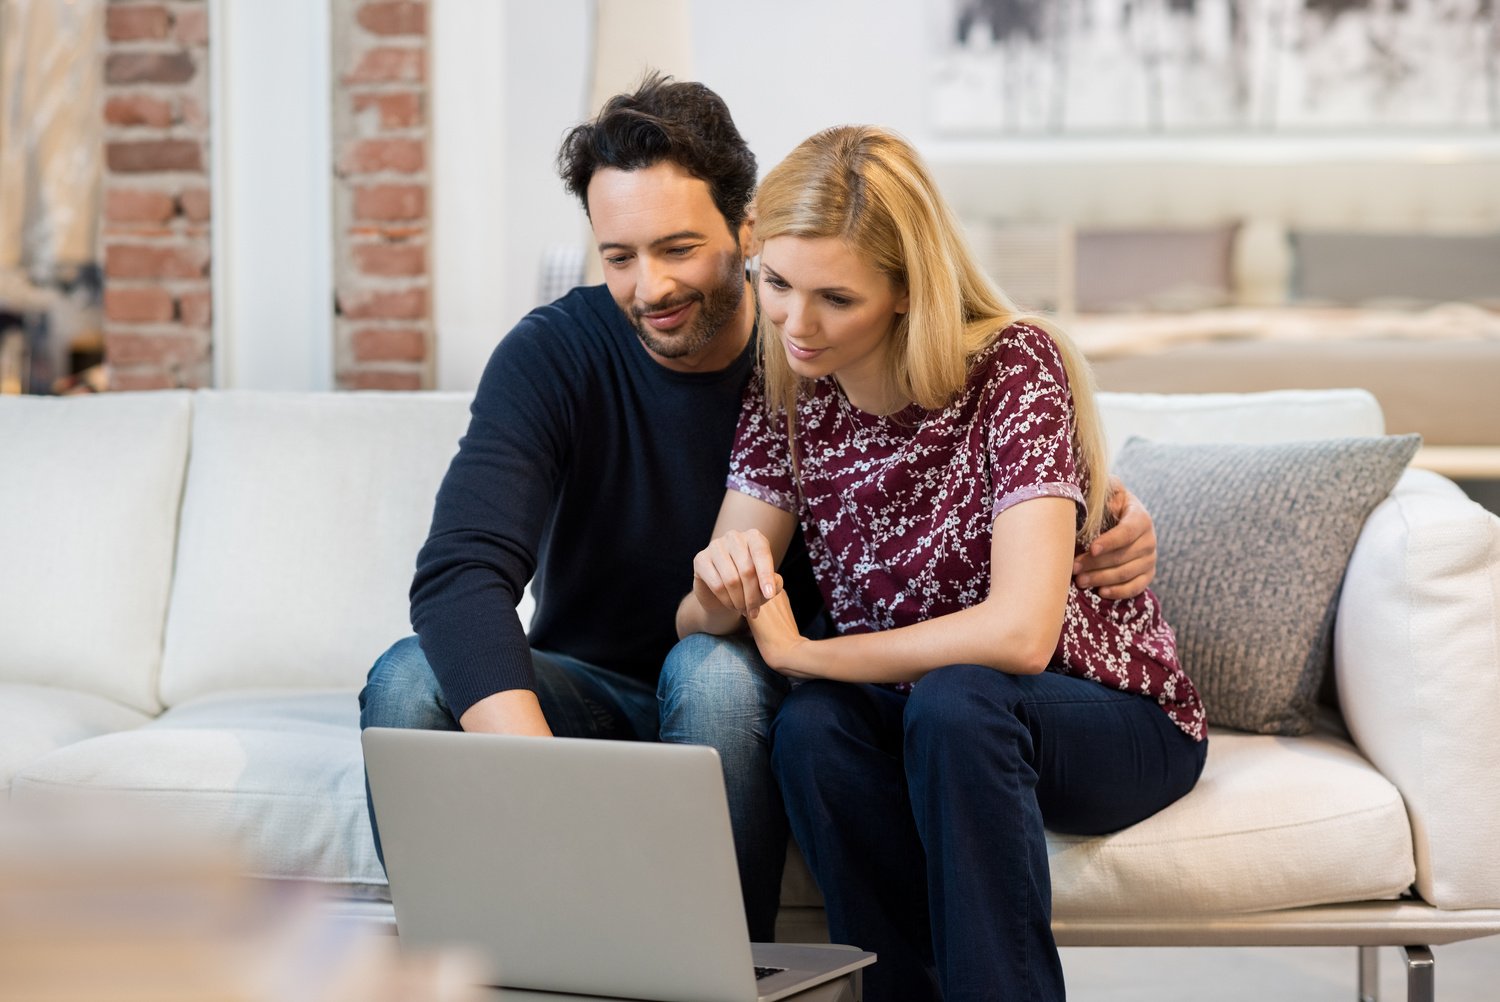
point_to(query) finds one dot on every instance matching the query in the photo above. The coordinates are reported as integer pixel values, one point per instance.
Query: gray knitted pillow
(1252, 543)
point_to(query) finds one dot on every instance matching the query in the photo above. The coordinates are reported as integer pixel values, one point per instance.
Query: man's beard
(718, 306)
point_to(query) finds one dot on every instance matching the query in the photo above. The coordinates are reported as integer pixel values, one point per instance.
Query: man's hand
(515, 711)
(1122, 562)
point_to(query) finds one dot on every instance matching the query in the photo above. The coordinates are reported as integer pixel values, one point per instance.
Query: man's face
(671, 263)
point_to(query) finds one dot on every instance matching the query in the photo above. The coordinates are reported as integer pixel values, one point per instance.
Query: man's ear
(749, 246)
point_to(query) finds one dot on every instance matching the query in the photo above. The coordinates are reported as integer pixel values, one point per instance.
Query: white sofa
(193, 585)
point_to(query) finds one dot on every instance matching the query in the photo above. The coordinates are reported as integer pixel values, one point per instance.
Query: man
(594, 466)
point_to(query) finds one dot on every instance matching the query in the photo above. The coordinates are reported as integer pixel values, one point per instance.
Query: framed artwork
(1185, 67)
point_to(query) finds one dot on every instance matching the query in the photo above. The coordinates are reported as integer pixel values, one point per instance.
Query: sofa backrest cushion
(89, 494)
(301, 521)
(1417, 660)
(1276, 416)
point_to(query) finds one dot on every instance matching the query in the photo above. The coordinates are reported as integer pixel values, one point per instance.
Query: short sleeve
(760, 464)
(1029, 422)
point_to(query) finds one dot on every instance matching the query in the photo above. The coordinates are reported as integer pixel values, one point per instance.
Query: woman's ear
(903, 304)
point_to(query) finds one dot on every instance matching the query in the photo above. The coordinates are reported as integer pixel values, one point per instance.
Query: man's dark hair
(664, 120)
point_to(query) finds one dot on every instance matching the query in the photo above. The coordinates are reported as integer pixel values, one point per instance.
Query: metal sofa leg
(1420, 974)
(1369, 974)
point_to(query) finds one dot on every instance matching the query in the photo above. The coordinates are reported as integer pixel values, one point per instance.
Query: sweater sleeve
(488, 520)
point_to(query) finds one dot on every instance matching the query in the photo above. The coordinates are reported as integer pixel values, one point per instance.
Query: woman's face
(834, 310)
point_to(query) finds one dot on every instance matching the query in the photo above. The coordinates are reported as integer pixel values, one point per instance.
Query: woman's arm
(736, 573)
(1014, 630)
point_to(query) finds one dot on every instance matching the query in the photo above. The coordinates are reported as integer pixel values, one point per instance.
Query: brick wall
(155, 232)
(157, 214)
(383, 327)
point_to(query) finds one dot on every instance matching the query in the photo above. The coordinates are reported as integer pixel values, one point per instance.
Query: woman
(945, 460)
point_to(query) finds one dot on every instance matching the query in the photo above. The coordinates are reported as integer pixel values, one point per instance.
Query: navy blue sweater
(597, 469)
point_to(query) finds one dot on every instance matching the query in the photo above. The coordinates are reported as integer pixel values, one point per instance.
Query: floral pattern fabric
(897, 510)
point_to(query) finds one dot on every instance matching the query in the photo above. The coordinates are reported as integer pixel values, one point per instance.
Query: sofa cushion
(1253, 540)
(37, 719)
(1353, 268)
(1271, 824)
(301, 521)
(89, 491)
(1275, 416)
(276, 776)
(1417, 659)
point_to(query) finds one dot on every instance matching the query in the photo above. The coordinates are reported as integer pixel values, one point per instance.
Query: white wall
(507, 80)
(786, 67)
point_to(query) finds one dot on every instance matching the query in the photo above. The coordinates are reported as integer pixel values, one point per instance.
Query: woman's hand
(1122, 561)
(781, 643)
(737, 571)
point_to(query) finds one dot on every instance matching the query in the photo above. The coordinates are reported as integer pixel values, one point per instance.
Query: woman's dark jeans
(922, 815)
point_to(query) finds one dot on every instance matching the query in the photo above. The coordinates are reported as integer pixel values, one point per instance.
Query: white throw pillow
(301, 522)
(1417, 659)
(89, 489)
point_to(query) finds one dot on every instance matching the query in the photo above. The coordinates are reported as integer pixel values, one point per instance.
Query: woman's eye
(776, 283)
(838, 301)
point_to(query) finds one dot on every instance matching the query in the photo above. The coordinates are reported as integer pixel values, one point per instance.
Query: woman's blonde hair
(867, 187)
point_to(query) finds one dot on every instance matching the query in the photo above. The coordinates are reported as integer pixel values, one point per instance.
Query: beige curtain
(51, 133)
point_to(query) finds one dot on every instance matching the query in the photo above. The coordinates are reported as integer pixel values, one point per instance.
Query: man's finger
(1128, 589)
(1118, 574)
(1138, 549)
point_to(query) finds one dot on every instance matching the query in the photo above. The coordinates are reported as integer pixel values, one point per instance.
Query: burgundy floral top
(897, 510)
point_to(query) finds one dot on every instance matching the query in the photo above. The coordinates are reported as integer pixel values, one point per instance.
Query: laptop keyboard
(766, 972)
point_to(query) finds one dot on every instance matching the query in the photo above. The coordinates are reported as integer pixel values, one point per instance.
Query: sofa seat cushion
(278, 776)
(38, 719)
(1273, 823)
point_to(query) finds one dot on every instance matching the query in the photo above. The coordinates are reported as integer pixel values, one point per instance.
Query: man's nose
(656, 281)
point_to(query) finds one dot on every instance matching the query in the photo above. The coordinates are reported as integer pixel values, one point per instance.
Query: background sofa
(193, 586)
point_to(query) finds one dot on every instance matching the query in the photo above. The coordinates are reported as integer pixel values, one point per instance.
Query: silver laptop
(567, 865)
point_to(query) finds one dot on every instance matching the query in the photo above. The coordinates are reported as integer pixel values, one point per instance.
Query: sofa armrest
(1417, 660)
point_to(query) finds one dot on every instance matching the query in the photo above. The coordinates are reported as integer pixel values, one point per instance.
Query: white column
(468, 261)
(272, 174)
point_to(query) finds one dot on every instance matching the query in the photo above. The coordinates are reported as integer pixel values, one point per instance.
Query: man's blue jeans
(922, 816)
(713, 691)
